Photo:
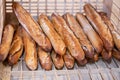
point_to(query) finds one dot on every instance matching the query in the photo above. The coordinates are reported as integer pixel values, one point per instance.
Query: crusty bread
(16, 47)
(69, 38)
(57, 60)
(77, 30)
(31, 26)
(90, 32)
(69, 60)
(45, 59)
(56, 41)
(6, 41)
(99, 26)
(30, 51)
(114, 32)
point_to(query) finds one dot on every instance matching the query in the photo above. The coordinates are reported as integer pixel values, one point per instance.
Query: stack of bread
(60, 40)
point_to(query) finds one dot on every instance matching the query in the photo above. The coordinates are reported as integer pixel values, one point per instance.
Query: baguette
(56, 40)
(96, 57)
(77, 30)
(106, 55)
(57, 60)
(31, 27)
(99, 26)
(69, 60)
(91, 34)
(6, 41)
(115, 34)
(30, 51)
(45, 59)
(68, 37)
(116, 54)
(16, 48)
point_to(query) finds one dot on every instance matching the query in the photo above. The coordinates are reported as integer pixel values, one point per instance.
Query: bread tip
(102, 13)
(67, 13)
(88, 5)
(82, 62)
(14, 5)
(10, 62)
(54, 14)
(42, 14)
(78, 13)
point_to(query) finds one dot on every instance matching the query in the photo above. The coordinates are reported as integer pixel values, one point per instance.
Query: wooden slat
(73, 75)
(71, 6)
(95, 75)
(84, 73)
(100, 64)
(111, 65)
(91, 66)
(117, 62)
(116, 73)
(106, 75)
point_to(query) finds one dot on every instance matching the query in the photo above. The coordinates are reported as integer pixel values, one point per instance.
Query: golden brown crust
(56, 40)
(57, 60)
(69, 38)
(31, 27)
(45, 59)
(106, 55)
(69, 60)
(6, 41)
(30, 51)
(16, 48)
(116, 54)
(107, 21)
(77, 30)
(99, 26)
(91, 34)
(96, 58)
(115, 34)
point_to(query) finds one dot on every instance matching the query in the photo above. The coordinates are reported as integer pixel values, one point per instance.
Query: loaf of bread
(90, 32)
(45, 59)
(6, 41)
(69, 60)
(16, 49)
(77, 30)
(30, 51)
(31, 26)
(69, 38)
(56, 41)
(114, 32)
(99, 26)
(57, 60)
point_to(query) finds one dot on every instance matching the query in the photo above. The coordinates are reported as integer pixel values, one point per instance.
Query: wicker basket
(100, 70)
